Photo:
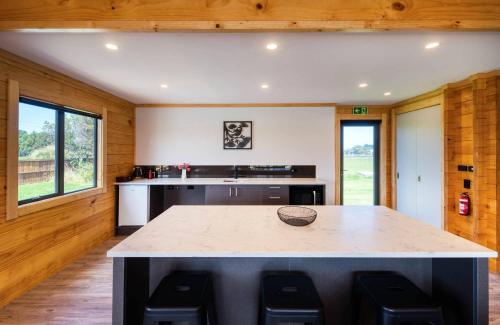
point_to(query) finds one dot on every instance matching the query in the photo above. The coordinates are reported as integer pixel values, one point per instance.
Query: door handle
(230, 191)
(236, 191)
(314, 197)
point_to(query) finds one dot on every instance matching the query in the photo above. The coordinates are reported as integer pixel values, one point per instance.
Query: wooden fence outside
(36, 171)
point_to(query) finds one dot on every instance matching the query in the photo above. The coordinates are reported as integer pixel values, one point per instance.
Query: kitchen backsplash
(223, 171)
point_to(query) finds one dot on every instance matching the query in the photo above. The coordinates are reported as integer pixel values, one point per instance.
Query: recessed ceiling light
(363, 85)
(387, 93)
(432, 45)
(264, 86)
(111, 46)
(272, 46)
(164, 86)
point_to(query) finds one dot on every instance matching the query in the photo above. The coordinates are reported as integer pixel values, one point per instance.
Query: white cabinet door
(419, 151)
(430, 166)
(133, 205)
(406, 160)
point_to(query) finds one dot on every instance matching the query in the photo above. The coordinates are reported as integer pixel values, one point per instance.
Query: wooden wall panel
(472, 131)
(34, 246)
(459, 138)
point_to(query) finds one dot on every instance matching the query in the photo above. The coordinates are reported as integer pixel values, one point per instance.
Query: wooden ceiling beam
(249, 15)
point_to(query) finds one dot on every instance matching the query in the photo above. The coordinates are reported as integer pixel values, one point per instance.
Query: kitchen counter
(225, 181)
(196, 231)
(237, 243)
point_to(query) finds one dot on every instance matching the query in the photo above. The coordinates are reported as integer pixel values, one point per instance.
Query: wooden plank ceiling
(295, 15)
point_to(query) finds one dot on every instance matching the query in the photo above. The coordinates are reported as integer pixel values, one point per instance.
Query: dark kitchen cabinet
(307, 195)
(275, 195)
(217, 194)
(163, 197)
(246, 195)
(156, 200)
(183, 195)
(233, 195)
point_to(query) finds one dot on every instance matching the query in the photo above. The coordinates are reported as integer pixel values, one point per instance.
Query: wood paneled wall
(472, 132)
(36, 245)
(471, 137)
(383, 114)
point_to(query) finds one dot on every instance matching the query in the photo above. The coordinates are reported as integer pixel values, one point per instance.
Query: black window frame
(59, 147)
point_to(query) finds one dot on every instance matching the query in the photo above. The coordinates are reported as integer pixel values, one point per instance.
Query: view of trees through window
(37, 137)
(38, 152)
(79, 149)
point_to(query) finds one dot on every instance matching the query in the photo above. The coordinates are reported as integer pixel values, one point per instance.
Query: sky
(357, 135)
(32, 118)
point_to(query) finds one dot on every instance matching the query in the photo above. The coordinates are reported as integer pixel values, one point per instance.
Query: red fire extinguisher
(464, 204)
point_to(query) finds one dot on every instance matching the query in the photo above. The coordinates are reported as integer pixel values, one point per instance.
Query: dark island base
(460, 285)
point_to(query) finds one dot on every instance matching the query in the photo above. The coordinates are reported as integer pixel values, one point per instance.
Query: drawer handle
(275, 197)
(274, 186)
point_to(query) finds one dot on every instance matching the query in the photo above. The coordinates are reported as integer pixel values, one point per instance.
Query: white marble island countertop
(226, 181)
(256, 231)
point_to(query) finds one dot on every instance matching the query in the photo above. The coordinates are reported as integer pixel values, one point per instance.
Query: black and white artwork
(237, 135)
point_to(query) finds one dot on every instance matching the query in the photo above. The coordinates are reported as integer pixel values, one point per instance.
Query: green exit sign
(359, 110)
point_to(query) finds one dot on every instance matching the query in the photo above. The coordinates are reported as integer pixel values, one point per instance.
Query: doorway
(359, 162)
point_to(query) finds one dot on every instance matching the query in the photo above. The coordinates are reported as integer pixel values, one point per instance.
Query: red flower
(184, 166)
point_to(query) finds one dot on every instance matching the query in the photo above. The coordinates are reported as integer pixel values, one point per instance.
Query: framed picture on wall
(237, 134)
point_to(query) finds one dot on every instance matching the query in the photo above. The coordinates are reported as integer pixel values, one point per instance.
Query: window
(57, 150)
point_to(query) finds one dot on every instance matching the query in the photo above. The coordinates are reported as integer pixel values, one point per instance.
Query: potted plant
(184, 168)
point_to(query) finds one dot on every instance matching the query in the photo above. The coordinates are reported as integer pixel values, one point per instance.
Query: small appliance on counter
(137, 172)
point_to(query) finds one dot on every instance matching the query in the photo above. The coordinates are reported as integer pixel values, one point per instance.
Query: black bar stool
(182, 296)
(289, 297)
(387, 298)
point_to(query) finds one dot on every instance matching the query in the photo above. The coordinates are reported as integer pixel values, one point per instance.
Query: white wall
(299, 136)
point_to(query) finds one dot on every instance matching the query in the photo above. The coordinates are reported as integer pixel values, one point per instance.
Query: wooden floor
(81, 294)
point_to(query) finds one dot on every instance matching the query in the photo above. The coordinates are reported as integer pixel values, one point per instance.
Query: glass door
(359, 162)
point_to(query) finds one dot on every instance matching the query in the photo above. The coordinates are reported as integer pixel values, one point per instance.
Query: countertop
(256, 231)
(225, 181)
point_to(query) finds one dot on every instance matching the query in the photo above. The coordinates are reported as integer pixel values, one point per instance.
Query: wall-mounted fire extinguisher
(464, 204)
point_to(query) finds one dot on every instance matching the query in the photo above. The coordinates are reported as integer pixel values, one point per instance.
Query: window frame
(60, 111)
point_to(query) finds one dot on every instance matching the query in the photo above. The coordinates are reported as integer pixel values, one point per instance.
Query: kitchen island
(237, 243)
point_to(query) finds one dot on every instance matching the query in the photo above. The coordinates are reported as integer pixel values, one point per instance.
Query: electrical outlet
(467, 183)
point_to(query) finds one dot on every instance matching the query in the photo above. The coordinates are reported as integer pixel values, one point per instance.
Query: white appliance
(133, 205)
